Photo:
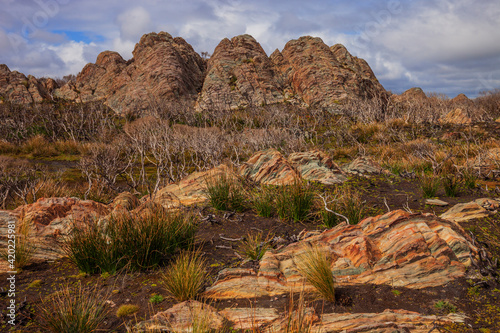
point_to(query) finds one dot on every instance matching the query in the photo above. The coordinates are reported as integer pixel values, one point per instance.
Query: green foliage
(69, 311)
(351, 205)
(225, 193)
(445, 306)
(396, 292)
(253, 246)
(155, 299)
(429, 185)
(315, 267)
(135, 241)
(450, 184)
(185, 277)
(294, 202)
(263, 202)
(126, 310)
(469, 178)
(329, 219)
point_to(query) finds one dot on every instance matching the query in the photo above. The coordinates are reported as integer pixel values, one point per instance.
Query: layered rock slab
(397, 249)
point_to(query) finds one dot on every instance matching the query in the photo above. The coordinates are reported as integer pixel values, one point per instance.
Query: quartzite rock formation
(163, 68)
(17, 88)
(239, 73)
(397, 249)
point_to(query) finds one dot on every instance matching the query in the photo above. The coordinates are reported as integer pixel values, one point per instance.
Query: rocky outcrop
(17, 88)
(50, 220)
(163, 68)
(397, 249)
(456, 117)
(272, 168)
(323, 76)
(181, 318)
(476, 209)
(411, 95)
(364, 166)
(239, 73)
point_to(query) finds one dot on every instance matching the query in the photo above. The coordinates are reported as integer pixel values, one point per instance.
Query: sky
(443, 46)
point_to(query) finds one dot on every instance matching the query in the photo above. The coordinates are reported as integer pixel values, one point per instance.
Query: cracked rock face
(397, 249)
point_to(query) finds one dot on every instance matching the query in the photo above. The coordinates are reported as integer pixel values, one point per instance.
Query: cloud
(133, 23)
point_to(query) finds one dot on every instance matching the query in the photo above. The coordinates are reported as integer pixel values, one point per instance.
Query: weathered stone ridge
(397, 249)
(239, 73)
(163, 68)
(17, 88)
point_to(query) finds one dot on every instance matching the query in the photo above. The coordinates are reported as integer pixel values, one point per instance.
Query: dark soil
(478, 298)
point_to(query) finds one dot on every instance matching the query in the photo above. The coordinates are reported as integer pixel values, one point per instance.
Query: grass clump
(126, 310)
(445, 306)
(253, 246)
(225, 193)
(315, 267)
(24, 250)
(351, 205)
(450, 184)
(135, 241)
(294, 202)
(73, 311)
(185, 277)
(469, 178)
(263, 202)
(429, 185)
(329, 219)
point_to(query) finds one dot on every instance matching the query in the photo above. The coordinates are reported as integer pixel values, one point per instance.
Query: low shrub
(185, 277)
(136, 241)
(294, 202)
(69, 311)
(315, 267)
(126, 310)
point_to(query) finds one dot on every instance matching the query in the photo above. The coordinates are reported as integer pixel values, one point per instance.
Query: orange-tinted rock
(456, 117)
(269, 167)
(239, 73)
(323, 76)
(317, 166)
(163, 68)
(397, 249)
(190, 190)
(181, 318)
(411, 95)
(477, 209)
(17, 88)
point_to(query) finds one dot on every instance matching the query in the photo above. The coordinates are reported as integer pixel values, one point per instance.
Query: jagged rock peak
(239, 73)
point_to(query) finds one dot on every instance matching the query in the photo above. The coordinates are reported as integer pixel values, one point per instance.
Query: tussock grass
(315, 267)
(253, 246)
(263, 202)
(24, 247)
(451, 185)
(225, 193)
(294, 202)
(135, 241)
(71, 311)
(351, 205)
(429, 185)
(185, 277)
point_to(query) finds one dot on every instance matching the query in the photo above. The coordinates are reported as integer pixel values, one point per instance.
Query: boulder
(50, 220)
(317, 166)
(397, 249)
(269, 167)
(364, 166)
(456, 117)
(477, 209)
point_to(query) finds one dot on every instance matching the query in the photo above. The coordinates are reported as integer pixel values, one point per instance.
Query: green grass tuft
(294, 202)
(185, 277)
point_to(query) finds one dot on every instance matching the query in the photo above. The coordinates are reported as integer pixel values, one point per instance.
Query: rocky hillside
(239, 73)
